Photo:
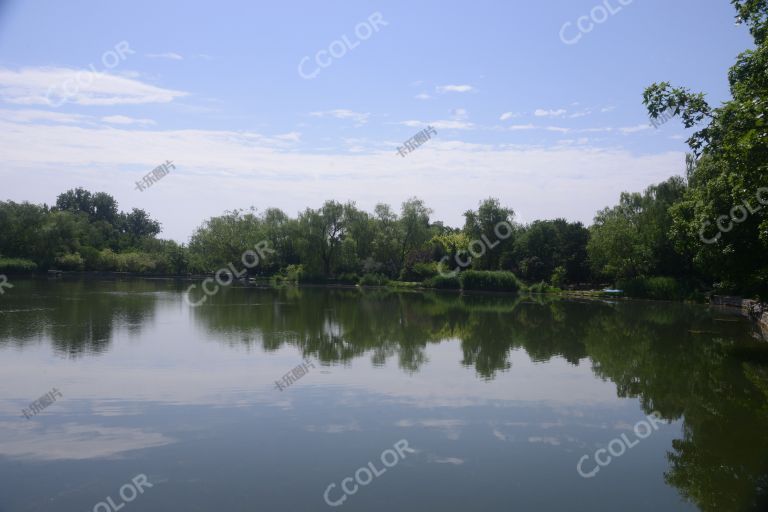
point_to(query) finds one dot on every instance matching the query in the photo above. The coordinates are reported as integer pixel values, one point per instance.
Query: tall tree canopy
(729, 164)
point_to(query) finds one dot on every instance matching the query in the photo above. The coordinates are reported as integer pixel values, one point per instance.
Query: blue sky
(552, 129)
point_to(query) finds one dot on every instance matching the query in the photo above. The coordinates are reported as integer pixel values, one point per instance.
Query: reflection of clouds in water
(4, 311)
(213, 377)
(554, 441)
(499, 435)
(449, 428)
(431, 423)
(447, 460)
(334, 428)
(73, 441)
(111, 409)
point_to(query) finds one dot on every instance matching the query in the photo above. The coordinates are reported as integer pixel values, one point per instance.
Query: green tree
(482, 225)
(730, 152)
(414, 230)
(632, 238)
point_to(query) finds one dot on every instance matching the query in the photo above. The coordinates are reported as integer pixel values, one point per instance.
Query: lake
(312, 399)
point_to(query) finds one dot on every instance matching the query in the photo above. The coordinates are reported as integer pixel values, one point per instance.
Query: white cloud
(570, 142)
(520, 127)
(423, 96)
(596, 130)
(583, 113)
(166, 55)
(454, 88)
(126, 120)
(358, 117)
(28, 116)
(290, 137)
(634, 129)
(550, 113)
(55, 86)
(440, 124)
(42, 160)
(508, 115)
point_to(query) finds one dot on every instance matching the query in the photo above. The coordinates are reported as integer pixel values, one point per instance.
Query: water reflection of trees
(339, 325)
(682, 365)
(78, 317)
(672, 357)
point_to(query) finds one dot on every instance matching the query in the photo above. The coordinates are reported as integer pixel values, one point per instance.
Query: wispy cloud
(634, 129)
(454, 88)
(43, 86)
(126, 120)
(423, 96)
(358, 117)
(582, 113)
(289, 137)
(540, 112)
(596, 130)
(509, 115)
(166, 55)
(521, 127)
(48, 157)
(29, 116)
(445, 124)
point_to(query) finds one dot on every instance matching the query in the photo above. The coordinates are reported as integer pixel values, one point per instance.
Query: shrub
(70, 261)
(17, 265)
(107, 260)
(309, 277)
(443, 283)
(373, 280)
(293, 273)
(657, 288)
(403, 285)
(134, 262)
(484, 280)
(348, 279)
(90, 256)
(543, 287)
(419, 272)
(558, 277)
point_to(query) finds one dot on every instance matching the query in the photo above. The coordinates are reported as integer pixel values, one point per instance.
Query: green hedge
(497, 281)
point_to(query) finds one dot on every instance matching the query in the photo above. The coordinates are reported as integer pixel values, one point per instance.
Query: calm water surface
(498, 397)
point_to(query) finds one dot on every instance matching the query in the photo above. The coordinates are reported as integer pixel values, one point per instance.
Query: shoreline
(752, 309)
(748, 308)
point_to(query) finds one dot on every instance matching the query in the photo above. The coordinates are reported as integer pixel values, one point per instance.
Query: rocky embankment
(757, 311)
